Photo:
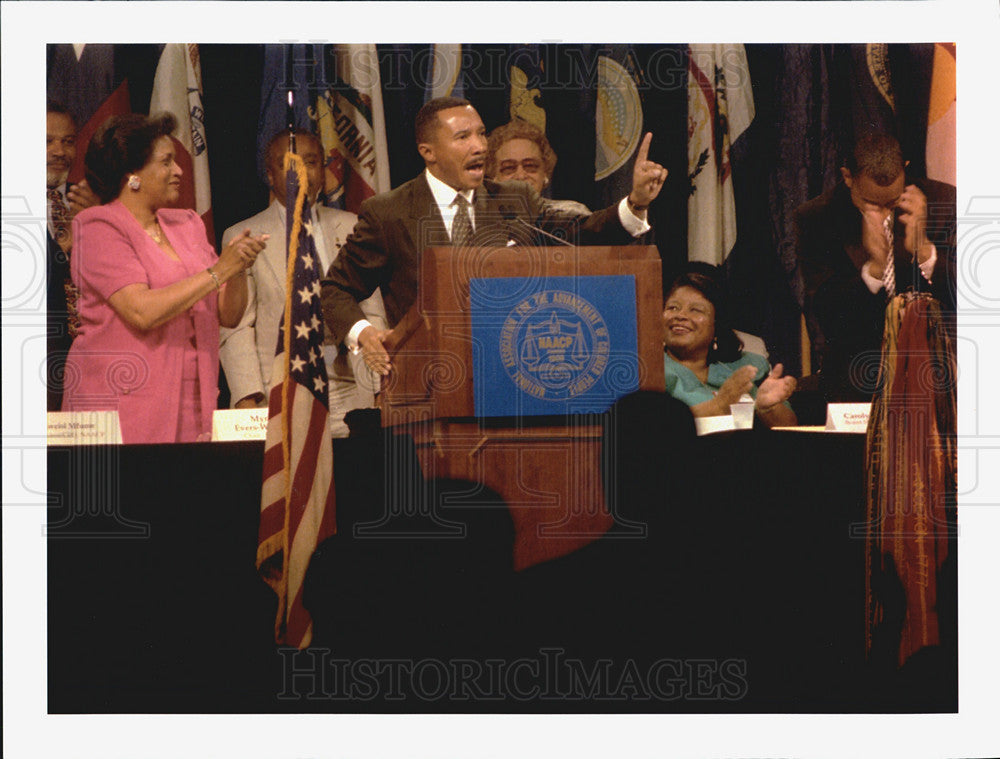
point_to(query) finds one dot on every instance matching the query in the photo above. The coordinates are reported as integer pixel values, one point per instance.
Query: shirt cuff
(873, 284)
(351, 341)
(927, 267)
(632, 223)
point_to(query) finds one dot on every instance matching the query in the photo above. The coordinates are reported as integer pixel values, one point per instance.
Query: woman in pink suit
(152, 291)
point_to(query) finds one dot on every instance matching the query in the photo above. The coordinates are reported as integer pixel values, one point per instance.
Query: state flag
(720, 108)
(177, 89)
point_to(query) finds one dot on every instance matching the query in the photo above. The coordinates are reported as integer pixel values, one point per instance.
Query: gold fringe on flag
(911, 479)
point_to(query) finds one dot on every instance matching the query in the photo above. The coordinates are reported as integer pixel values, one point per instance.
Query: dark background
(810, 100)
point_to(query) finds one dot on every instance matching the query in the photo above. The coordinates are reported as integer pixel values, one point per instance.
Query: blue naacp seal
(554, 345)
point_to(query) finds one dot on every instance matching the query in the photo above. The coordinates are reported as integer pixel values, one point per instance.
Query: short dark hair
(123, 144)
(519, 129)
(878, 156)
(706, 279)
(427, 115)
(54, 106)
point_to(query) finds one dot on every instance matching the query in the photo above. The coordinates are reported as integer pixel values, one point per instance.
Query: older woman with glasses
(520, 151)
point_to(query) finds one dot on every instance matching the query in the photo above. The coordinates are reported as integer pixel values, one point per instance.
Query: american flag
(298, 506)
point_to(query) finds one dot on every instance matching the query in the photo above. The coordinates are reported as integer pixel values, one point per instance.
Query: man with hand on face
(64, 202)
(452, 203)
(247, 351)
(846, 239)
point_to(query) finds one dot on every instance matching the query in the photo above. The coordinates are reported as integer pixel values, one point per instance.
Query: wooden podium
(547, 469)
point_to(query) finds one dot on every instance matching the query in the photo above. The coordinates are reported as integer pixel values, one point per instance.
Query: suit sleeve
(942, 231)
(373, 307)
(238, 345)
(602, 227)
(351, 367)
(836, 298)
(362, 266)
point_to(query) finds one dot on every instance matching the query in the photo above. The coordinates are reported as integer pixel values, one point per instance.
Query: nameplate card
(239, 424)
(84, 428)
(847, 417)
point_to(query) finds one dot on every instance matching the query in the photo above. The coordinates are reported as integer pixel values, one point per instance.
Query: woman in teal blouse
(704, 361)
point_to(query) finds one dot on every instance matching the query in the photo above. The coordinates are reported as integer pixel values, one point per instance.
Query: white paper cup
(742, 415)
(706, 425)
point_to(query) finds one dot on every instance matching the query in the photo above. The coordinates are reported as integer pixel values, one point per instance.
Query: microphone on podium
(509, 214)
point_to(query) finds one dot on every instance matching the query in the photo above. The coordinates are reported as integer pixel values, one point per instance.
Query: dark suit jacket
(394, 228)
(57, 321)
(845, 318)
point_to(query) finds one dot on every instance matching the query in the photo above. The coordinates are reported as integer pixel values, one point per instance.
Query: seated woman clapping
(704, 361)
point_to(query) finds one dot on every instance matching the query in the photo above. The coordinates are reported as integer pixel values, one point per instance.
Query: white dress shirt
(874, 284)
(444, 198)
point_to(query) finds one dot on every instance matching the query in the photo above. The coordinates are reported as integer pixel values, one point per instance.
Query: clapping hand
(80, 196)
(775, 389)
(242, 251)
(738, 383)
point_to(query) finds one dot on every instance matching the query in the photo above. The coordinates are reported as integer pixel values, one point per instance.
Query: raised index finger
(643, 153)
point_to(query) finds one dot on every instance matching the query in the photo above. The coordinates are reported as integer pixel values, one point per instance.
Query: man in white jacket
(247, 350)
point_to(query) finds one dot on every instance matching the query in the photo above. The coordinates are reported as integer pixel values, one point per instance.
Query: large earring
(133, 182)
(715, 343)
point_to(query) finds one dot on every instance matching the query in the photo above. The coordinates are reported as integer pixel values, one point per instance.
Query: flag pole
(290, 83)
(298, 498)
(291, 206)
(290, 118)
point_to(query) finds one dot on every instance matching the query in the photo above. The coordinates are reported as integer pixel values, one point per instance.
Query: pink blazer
(110, 364)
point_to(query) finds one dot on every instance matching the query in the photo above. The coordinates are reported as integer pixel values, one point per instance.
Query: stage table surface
(154, 603)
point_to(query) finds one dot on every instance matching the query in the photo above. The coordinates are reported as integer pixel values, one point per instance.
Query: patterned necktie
(59, 212)
(889, 278)
(461, 228)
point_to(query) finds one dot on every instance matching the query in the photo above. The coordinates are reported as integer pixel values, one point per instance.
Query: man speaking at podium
(451, 203)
